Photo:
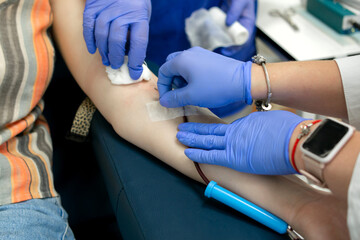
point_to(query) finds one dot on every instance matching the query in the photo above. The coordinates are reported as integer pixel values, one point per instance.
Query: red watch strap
(302, 134)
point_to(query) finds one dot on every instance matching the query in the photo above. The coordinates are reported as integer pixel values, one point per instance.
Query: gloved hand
(257, 143)
(204, 79)
(228, 110)
(106, 25)
(243, 11)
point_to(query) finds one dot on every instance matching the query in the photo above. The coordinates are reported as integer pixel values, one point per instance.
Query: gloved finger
(165, 76)
(117, 41)
(228, 110)
(165, 82)
(175, 98)
(249, 25)
(88, 30)
(102, 28)
(217, 157)
(204, 128)
(207, 142)
(172, 55)
(179, 82)
(248, 17)
(236, 9)
(139, 34)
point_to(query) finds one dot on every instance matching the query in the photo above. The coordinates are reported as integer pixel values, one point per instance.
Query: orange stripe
(20, 176)
(16, 127)
(34, 178)
(20, 125)
(47, 167)
(34, 188)
(40, 20)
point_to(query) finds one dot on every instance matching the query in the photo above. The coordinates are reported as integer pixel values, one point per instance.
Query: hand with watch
(321, 146)
(260, 143)
(257, 143)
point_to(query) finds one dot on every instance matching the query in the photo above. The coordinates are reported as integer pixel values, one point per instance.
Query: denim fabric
(34, 219)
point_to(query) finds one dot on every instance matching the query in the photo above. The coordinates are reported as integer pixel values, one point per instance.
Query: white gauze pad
(159, 113)
(207, 29)
(121, 76)
(236, 31)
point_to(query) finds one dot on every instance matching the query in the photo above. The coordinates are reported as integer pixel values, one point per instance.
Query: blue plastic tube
(244, 206)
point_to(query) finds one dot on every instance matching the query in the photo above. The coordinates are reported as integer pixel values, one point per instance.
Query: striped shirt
(26, 66)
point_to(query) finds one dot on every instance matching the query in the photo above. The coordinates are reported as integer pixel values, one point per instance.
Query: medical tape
(159, 113)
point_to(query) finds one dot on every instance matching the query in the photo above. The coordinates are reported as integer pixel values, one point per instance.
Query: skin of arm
(312, 86)
(124, 107)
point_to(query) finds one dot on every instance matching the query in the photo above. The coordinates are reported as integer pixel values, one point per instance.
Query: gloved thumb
(175, 98)
(235, 11)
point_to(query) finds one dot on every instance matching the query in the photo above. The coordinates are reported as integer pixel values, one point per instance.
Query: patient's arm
(124, 107)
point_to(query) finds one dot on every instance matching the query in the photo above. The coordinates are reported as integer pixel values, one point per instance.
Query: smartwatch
(321, 146)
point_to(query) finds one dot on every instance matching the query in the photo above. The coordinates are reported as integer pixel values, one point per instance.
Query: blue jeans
(34, 219)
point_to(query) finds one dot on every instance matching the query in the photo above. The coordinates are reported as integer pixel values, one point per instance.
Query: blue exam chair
(155, 202)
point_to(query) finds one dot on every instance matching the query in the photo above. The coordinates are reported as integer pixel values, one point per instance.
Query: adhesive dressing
(159, 113)
(121, 76)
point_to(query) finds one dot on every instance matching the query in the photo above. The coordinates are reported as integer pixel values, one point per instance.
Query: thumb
(175, 98)
(235, 11)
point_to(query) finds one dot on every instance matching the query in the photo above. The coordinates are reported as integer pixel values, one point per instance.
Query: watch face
(325, 138)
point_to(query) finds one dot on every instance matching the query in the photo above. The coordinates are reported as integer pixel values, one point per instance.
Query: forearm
(67, 31)
(338, 172)
(313, 86)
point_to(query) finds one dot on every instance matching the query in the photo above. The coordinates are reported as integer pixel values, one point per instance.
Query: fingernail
(188, 153)
(92, 51)
(163, 102)
(180, 136)
(135, 74)
(181, 126)
(115, 66)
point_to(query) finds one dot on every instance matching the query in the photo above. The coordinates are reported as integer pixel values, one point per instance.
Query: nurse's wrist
(297, 158)
(258, 82)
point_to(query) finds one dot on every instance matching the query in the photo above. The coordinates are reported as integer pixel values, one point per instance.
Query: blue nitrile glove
(204, 79)
(106, 25)
(257, 143)
(243, 11)
(228, 110)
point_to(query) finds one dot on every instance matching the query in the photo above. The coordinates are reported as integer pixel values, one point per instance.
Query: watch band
(313, 171)
(305, 130)
(314, 164)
